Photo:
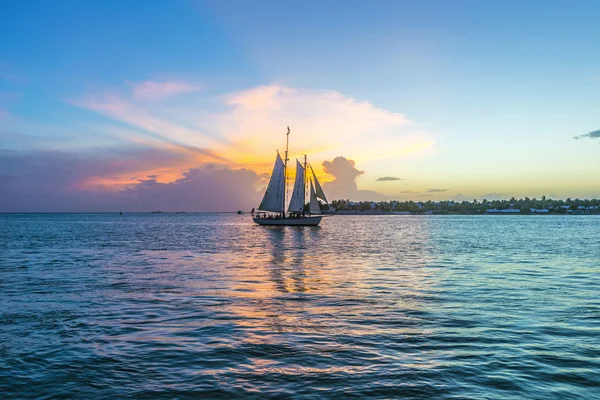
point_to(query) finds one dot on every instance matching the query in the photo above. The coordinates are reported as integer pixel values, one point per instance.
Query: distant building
(509, 211)
(539, 210)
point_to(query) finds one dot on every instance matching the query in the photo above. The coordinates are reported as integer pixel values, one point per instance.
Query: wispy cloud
(151, 90)
(148, 121)
(425, 195)
(409, 192)
(436, 190)
(388, 178)
(591, 135)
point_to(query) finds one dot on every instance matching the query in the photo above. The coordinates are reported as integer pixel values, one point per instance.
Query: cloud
(388, 178)
(436, 190)
(153, 130)
(409, 192)
(344, 184)
(148, 121)
(246, 127)
(51, 181)
(425, 195)
(151, 90)
(460, 197)
(591, 135)
(324, 124)
(207, 188)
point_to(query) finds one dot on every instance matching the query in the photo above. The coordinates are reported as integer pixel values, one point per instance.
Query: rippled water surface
(211, 305)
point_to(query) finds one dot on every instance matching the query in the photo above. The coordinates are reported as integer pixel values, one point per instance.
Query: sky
(182, 105)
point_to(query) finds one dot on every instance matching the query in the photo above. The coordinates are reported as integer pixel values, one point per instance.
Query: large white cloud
(344, 184)
(246, 127)
(324, 124)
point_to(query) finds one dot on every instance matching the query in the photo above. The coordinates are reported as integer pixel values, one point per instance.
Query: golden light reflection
(324, 287)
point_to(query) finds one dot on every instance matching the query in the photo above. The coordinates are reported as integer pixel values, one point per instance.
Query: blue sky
(491, 93)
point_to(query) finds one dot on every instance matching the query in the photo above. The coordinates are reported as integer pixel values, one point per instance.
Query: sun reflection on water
(361, 304)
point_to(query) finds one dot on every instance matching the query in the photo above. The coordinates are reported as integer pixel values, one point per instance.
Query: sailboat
(274, 200)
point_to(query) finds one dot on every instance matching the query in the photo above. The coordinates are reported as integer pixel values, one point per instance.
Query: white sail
(297, 201)
(273, 199)
(319, 190)
(314, 206)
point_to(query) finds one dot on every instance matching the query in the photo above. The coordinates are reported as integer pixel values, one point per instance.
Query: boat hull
(302, 221)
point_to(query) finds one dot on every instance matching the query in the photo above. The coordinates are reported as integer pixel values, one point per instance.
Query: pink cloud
(52, 181)
(151, 90)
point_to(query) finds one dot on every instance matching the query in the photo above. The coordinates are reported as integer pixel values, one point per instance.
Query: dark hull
(302, 221)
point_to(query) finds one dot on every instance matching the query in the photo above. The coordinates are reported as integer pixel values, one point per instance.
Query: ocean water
(213, 306)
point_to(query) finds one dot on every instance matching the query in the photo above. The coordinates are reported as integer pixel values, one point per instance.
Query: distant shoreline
(341, 212)
(367, 212)
(525, 206)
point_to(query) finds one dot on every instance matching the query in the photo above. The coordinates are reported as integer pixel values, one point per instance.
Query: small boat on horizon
(274, 200)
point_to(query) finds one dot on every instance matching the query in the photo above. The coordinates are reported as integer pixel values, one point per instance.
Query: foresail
(314, 206)
(318, 189)
(297, 201)
(273, 199)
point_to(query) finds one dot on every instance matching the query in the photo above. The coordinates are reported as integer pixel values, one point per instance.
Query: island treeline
(512, 205)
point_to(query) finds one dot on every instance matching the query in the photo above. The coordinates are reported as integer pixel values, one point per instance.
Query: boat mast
(305, 185)
(287, 143)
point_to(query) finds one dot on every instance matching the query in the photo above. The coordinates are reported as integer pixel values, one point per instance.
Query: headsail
(273, 199)
(314, 206)
(297, 201)
(318, 189)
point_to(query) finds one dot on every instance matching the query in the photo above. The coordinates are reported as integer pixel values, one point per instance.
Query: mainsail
(319, 190)
(297, 201)
(273, 199)
(313, 204)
